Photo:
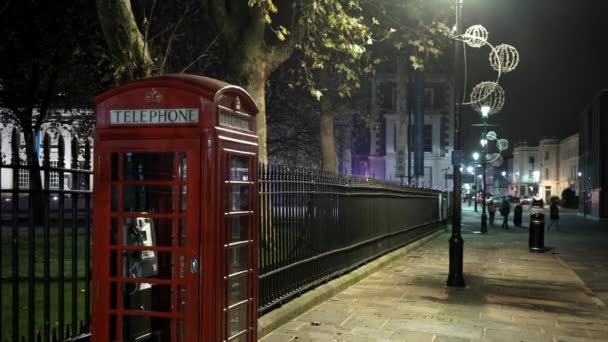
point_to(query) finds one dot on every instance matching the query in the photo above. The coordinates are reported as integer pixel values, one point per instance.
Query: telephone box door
(149, 281)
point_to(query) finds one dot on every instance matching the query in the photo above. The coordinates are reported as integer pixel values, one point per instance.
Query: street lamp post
(485, 110)
(475, 157)
(456, 276)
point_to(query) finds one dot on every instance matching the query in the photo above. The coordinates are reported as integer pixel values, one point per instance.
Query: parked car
(537, 202)
(525, 200)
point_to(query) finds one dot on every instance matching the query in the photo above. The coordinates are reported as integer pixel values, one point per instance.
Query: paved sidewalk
(512, 294)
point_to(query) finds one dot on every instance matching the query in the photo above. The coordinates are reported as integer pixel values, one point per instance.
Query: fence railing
(316, 225)
(45, 239)
(313, 226)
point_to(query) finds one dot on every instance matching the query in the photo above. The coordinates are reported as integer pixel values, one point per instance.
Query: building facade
(545, 170)
(390, 136)
(55, 133)
(593, 158)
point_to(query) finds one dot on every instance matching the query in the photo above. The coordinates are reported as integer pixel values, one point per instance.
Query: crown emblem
(153, 96)
(237, 103)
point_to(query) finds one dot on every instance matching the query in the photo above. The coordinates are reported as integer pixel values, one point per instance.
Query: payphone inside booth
(175, 212)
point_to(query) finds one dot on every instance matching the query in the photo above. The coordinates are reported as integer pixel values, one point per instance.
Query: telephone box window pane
(114, 165)
(182, 299)
(240, 338)
(239, 170)
(114, 263)
(183, 230)
(114, 232)
(152, 199)
(237, 289)
(113, 295)
(113, 328)
(181, 332)
(142, 328)
(183, 198)
(240, 198)
(114, 199)
(147, 264)
(149, 166)
(147, 297)
(238, 259)
(145, 231)
(238, 226)
(237, 320)
(183, 166)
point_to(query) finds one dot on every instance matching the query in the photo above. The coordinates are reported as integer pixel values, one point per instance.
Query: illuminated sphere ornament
(498, 162)
(476, 36)
(488, 94)
(491, 136)
(502, 144)
(504, 58)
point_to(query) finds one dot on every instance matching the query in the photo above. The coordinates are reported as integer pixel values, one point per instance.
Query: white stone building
(388, 155)
(545, 170)
(6, 174)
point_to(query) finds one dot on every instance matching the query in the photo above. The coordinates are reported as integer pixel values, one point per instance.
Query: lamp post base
(484, 223)
(456, 276)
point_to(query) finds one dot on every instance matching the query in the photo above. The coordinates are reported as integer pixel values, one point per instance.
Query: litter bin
(536, 242)
(517, 215)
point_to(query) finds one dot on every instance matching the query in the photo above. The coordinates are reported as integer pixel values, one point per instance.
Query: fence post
(74, 147)
(15, 161)
(46, 164)
(61, 239)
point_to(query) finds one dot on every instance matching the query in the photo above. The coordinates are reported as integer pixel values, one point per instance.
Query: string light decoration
(476, 36)
(491, 136)
(502, 144)
(504, 58)
(488, 94)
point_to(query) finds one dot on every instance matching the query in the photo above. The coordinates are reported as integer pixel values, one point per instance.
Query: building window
(429, 98)
(53, 176)
(387, 94)
(547, 174)
(546, 155)
(428, 138)
(24, 179)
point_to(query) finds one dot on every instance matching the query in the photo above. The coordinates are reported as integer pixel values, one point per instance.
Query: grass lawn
(23, 261)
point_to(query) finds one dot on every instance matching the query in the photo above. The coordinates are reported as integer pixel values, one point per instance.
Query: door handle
(194, 266)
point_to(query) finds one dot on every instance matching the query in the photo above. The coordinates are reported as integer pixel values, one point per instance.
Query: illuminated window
(53, 176)
(24, 179)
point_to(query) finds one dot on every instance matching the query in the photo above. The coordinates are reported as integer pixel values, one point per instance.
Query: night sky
(564, 63)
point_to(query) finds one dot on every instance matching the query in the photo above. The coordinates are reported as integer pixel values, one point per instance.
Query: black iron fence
(313, 226)
(316, 225)
(45, 227)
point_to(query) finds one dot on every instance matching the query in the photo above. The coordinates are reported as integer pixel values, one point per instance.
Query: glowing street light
(470, 169)
(476, 155)
(504, 173)
(485, 110)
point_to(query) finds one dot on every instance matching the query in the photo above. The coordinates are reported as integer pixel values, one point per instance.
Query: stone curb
(296, 307)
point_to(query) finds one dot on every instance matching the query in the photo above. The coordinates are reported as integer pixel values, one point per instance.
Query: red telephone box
(175, 212)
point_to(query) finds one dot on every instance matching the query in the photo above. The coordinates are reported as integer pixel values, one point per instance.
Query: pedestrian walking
(554, 213)
(492, 211)
(505, 209)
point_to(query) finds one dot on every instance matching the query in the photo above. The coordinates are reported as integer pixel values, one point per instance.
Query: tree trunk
(327, 138)
(128, 47)
(35, 185)
(255, 84)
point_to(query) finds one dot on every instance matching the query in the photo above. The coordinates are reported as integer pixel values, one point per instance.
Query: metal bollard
(536, 241)
(517, 215)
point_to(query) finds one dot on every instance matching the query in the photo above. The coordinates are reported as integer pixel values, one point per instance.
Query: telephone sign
(175, 230)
